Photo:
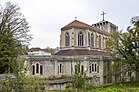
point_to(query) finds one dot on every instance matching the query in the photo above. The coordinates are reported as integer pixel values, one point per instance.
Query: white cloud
(46, 17)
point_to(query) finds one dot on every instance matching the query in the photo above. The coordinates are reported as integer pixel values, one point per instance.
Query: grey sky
(47, 17)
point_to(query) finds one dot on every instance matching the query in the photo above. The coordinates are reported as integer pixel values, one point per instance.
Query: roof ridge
(77, 21)
(79, 24)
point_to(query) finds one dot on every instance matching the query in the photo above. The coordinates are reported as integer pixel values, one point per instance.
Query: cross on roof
(103, 13)
(75, 18)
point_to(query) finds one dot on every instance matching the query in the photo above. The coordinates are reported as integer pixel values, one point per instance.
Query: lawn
(121, 87)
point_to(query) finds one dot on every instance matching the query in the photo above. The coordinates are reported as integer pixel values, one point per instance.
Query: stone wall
(74, 38)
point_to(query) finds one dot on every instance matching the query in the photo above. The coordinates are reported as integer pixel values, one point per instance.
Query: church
(82, 41)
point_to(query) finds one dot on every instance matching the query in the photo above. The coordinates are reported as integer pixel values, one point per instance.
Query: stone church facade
(81, 41)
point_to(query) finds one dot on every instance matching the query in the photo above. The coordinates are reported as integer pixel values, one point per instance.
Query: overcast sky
(47, 17)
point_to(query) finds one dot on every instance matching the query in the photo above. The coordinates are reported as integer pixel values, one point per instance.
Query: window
(104, 43)
(33, 70)
(88, 38)
(96, 41)
(92, 67)
(99, 42)
(95, 67)
(67, 39)
(41, 69)
(60, 69)
(92, 40)
(80, 39)
(37, 68)
(82, 69)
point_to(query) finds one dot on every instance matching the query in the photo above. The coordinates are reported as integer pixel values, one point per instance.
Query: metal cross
(103, 13)
(75, 18)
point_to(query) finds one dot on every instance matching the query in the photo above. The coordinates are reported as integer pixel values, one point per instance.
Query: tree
(125, 48)
(79, 80)
(18, 81)
(13, 35)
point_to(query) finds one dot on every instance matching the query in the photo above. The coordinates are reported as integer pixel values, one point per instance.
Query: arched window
(103, 42)
(80, 39)
(67, 39)
(41, 69)
(37, 68)
(96, 41)
(60, 69)
(92, 67)
(88, 39)
(92, 40)
(99, 42)
(95, 67)
(33, 70)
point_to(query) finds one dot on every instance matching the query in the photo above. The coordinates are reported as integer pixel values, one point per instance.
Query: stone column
(56, 68)
(71, 67)
(101, 72)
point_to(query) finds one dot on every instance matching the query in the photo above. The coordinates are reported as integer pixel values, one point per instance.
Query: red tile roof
(72, 52)
(79, 24)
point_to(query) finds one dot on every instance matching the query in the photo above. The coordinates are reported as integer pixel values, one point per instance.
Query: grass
(121, 87)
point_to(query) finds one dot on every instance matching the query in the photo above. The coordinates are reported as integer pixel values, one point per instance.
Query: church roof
(79, 24)
(37, 49)
(73, 52)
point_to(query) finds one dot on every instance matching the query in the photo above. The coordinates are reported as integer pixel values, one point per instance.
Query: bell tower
(106, 26)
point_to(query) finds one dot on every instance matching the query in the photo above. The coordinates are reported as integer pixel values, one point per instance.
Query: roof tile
(72, 52)
(79, 24)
